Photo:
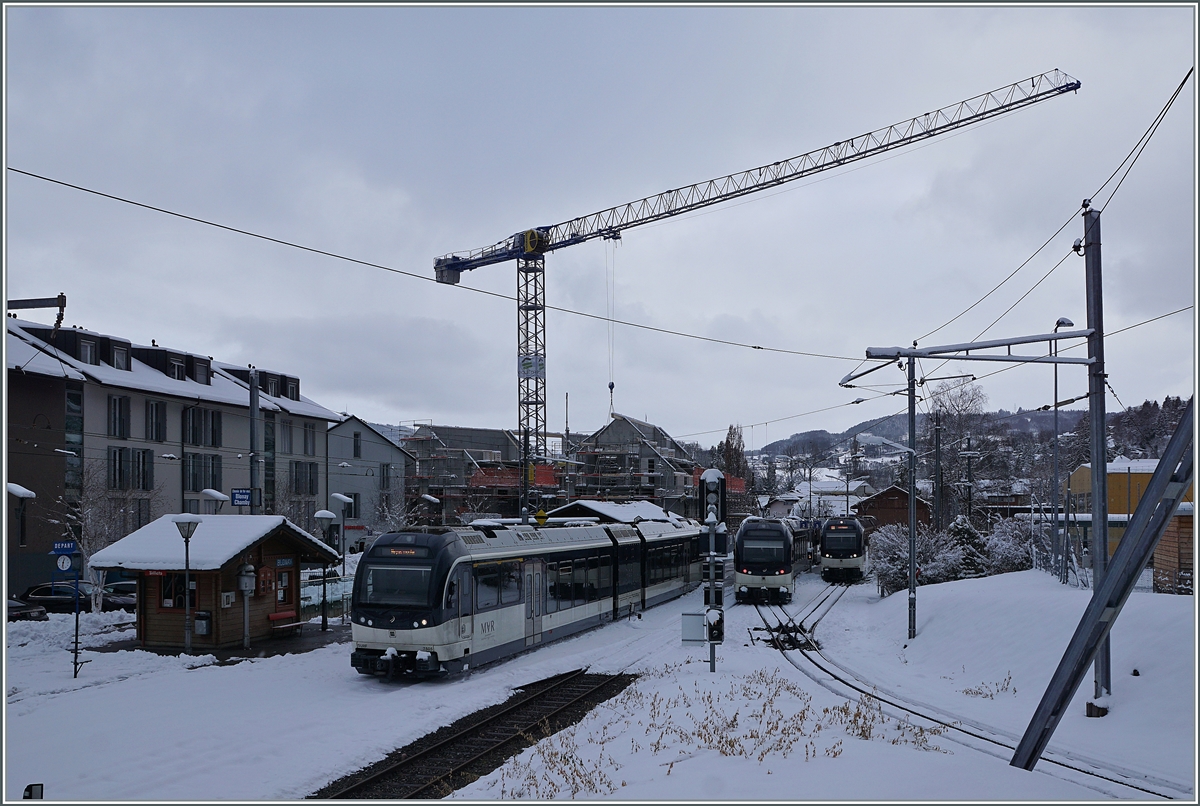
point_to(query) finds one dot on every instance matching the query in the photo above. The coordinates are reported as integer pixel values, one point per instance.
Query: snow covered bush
(1013, 545)
(938, 558)
(971, 544)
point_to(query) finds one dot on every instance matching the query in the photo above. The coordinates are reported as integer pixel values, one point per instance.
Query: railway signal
(714, 619)
(529, 247)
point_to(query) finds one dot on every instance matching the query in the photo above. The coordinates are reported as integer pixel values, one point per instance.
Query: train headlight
(370, 623)
(424, 622)
(415, 624)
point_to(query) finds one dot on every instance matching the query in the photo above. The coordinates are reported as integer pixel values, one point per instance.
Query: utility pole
(255, 491)
(970, 454)
(1099, 435)
(937, 471)
(912, 497)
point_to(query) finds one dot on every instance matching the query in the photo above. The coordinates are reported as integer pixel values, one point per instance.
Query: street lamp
(213, 495)
(345, 499)
(1060, 550)
(186, 524)
(324, 517)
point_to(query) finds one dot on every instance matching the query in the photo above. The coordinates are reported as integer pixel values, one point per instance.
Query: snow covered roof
(304, 407)
(19, 353)
(1123, 465)
(218, 539)
(625, 512)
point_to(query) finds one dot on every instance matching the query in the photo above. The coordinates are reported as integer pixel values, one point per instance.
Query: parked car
(123, 587)
(59, 597)
(24, 611)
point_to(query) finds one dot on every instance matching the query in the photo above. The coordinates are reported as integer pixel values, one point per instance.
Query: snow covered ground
(138, 726)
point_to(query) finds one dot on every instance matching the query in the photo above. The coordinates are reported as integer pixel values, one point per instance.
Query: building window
(200, 372)
(201, 471)
(118, 416)
(176, 369)
(358, 444)
(119, 469)
(141, 512)
(284, 436)
(273, 387)
(120, 358)
(202, 427)
(293, 390)
(143, 470)
(87, 352)
(305, 478)
(172, 592)
(385, 476)
(156, 421)
(73, 439)
(310, 439)
(353, 510)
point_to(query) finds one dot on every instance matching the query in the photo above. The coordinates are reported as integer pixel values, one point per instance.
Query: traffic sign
(540, 516)
(64, 547)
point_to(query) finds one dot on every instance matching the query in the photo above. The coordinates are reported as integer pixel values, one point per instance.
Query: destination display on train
(401, 551)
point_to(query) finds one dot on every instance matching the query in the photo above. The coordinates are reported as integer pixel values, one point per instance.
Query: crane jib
(609, 223)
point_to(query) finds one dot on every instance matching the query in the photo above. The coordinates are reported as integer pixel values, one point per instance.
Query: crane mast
(529, 247)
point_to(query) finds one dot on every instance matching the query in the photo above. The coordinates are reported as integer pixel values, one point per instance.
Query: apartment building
(108, 435)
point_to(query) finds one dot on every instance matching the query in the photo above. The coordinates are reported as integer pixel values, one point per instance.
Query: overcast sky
(397, 134)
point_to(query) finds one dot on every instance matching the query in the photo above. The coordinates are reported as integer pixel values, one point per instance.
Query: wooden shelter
(220, 547)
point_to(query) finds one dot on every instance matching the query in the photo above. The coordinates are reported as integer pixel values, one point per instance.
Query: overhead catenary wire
(1134, 154)
(415, 276)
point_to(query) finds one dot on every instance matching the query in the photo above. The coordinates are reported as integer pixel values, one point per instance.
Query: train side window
(564, 585)
(464, 585)
(451, 594)
(579, 582)
(551, 585)
(487, 586)
(510, 583)
(606, 575)
(593, 581)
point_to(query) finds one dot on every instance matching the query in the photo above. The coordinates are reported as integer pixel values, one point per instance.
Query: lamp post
(1060, 554)
(324, 517)
(186, 524)
(346, 500)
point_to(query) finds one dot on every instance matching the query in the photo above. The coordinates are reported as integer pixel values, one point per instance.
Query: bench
(286, 621)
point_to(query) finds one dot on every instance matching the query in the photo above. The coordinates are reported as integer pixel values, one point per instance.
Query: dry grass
(760, 717)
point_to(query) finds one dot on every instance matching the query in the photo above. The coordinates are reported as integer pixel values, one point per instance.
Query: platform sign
(64, 547)
(540, 516)
(240, 496)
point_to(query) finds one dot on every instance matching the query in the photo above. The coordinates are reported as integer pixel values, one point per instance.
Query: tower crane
(529, 247)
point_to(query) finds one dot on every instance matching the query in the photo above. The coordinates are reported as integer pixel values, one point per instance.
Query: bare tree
(106, 509)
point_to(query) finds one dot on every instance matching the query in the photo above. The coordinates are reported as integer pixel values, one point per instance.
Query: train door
(535, 572)
(466, 601)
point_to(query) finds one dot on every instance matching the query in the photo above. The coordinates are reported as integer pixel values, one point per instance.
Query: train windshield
(841, 540)
(762, 551)
(393, 585)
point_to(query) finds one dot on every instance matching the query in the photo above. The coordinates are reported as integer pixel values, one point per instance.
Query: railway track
(474, 746)
(797, 646)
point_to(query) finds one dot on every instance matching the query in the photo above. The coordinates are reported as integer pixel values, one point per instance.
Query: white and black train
(437, 601)
(843, 549)
(768, 554)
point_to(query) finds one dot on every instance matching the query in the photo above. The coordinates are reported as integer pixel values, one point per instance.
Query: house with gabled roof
(630, 459)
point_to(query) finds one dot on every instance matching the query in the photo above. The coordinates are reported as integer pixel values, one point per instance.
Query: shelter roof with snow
(218, 539)
(615, 512)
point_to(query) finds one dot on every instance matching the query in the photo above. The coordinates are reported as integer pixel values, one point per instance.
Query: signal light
(716, 626)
